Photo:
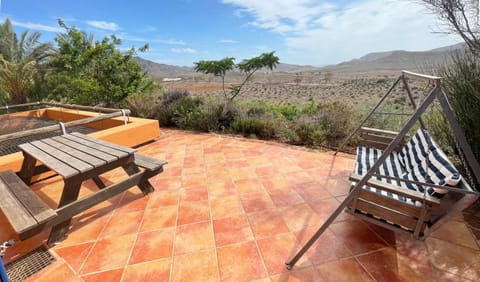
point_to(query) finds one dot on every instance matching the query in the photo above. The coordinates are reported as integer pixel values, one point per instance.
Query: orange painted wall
(136, 132)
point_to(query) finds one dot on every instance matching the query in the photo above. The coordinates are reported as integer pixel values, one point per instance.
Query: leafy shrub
(167, 104)
(143, 104)
(208, 116)
(461, 84)
(187, 112)
(310, 133)
(287, 110)
(254, 127)
(336, 119)
(288, 135)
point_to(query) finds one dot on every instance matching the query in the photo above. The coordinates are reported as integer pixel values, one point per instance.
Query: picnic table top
(75, 153)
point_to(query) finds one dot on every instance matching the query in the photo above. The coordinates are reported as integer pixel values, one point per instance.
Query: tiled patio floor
(231, 209)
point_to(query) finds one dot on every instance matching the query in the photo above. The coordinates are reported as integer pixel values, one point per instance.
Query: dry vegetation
(297, 88)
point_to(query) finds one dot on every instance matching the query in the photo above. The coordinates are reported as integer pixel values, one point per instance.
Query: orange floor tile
(234, 209)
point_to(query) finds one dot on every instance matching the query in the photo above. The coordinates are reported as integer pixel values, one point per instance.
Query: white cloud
(104, 25)
(37, 26)
(325, 32)
(169, 41)
(150, 28)
(282, 15)
(184, 50)
(228, 41)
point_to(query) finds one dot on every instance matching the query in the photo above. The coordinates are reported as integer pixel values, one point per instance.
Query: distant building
(167, 79)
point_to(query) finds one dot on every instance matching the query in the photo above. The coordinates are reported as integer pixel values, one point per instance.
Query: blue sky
(308, 32)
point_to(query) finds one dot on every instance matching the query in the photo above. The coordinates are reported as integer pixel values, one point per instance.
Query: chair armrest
(414, 195)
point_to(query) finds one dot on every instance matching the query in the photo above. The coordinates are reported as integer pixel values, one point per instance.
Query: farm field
(355, 91)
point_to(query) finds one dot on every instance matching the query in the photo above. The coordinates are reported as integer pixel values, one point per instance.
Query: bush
(208, 116)
(254, 127)
(288, 135)
(187, 112)
(461, 84)
(320, 124)
(167, 105)
(336, 120)
(143, 104)
(310, 133)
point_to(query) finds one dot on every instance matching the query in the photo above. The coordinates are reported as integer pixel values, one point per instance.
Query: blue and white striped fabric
(440, 171)
(415, 151)
(366, 157)
(420, 160)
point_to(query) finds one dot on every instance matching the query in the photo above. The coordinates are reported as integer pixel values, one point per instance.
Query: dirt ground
(297, 89)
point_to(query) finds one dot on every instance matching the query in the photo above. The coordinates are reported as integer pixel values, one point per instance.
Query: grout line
(135, 240)
(364, 268)
(211, 219)
(176, 225)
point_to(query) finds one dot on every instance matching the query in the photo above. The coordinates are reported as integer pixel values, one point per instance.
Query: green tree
(21, 59)
(248, 67)
(217, 68)
(89, 72)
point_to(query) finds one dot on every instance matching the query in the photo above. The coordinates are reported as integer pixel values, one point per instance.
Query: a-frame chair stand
(470, 194)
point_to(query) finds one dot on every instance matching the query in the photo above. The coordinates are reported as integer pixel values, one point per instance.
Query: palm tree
(20, 60)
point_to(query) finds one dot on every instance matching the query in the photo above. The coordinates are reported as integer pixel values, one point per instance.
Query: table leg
(146, 187)
(70, 193)
(99, 182)
(28, 168)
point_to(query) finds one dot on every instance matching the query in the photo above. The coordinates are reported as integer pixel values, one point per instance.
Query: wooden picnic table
(77, 157)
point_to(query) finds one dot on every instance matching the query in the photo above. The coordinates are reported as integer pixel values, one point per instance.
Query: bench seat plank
(148, 163)
(22, 207)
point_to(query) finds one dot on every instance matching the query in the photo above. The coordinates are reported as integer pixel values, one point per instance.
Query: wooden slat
(390, 203)
(375, 145)
(35, 206)
(88, 150)
(18, 216)
(386, 214)
(26, 212)
(49, 161)
(87, 158)
(148, 163)
(377, 138)
(376, 221)
(106, 144)
(65, 157)
(398, 190)
(377, 131)
(94, 144)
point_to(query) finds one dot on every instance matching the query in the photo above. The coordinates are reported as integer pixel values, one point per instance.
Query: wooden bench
(149, 163)
(25, 211)
(408, 191)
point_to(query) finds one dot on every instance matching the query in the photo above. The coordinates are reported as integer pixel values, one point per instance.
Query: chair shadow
(302, 233)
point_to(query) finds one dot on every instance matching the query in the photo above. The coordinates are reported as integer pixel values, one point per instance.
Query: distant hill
(394, 61)
(162, 70)
(372, 63)
(170, 71)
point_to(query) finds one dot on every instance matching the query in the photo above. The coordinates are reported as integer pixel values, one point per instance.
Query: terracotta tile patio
(232, 209)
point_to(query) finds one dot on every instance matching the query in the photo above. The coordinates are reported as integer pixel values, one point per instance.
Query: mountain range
(378, 62)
